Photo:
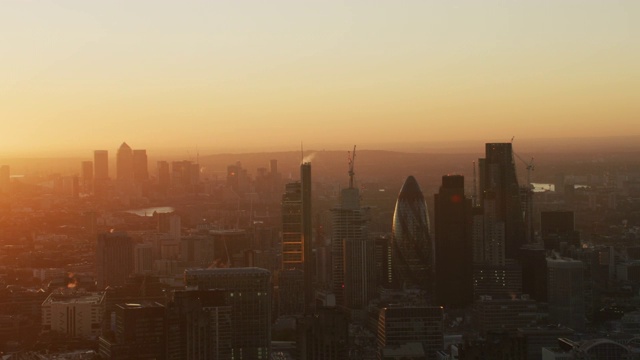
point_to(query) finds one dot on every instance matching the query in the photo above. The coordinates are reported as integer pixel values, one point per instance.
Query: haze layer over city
(320, 180)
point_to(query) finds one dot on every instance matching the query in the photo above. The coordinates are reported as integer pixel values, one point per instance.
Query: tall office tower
(114, 259)
(86, 169)
(274, 175)
(199, 324)
(5, 178)
(164, 177)
(354, 280)
(292, 246)
(101, 164)
(359, 272)
(77, 314)
(500, 236)
(493, 274)
(498, 177)
(100, 172)
(124, 163)
(139, 333)
(494, 232)
(291, 279)
(307, 240)
(410, 332)
(411, 248)
(477, 234)
(454, 250)
(566, 292)
(248, 292)
(140, 167)
(383, 253)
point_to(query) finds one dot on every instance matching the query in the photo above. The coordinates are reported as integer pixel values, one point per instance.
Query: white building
(74, 313)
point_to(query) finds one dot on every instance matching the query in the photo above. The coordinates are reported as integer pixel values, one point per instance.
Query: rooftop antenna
(301, 153)
(352, 160)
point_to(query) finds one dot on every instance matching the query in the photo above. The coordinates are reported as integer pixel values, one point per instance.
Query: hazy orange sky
(249, 75)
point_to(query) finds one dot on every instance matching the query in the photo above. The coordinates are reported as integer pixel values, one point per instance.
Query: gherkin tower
(411, 246)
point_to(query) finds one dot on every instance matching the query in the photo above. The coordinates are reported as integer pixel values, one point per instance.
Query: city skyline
(218, 266)
(208, 74)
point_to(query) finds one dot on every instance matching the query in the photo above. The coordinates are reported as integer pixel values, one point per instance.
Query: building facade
(114, 259)
(77, 314)
(453, 246)
(248, 292)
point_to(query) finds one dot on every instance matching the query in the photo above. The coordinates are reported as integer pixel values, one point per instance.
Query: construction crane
(352, 159)
(528, 210)
(529, 166)
(528, 215)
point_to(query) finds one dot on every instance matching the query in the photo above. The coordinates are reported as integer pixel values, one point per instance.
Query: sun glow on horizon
(250, 74)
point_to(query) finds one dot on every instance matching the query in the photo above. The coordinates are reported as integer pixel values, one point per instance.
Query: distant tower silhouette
(164, 177)
(101, 172)
(140, 166)
(411, 247)
(101, 164)
(124, 163)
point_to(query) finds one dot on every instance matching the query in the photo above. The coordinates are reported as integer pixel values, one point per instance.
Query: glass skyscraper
(411, 246)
